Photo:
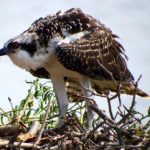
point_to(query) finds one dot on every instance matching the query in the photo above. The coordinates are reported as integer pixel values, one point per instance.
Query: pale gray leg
(62, 99)
(86, 83)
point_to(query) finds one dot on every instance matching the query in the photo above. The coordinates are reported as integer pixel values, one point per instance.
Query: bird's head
(25, 51)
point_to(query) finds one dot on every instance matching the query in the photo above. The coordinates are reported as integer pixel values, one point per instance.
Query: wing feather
(95, 55)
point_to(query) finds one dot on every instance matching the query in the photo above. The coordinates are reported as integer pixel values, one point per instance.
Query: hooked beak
(3, 51)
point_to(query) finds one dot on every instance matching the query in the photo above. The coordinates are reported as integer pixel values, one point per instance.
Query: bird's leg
(86, 83)
(62, 99)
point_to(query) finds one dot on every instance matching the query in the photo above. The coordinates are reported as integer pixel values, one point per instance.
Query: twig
(118, 94)
(117, 146)
(4, 143)
(110, 108)
(95, 129)
(43, 125)
(31, 133)
(132, 105)
(109, 121)
(108, 72)
(113, 97)
(92, 93)
(101, 114)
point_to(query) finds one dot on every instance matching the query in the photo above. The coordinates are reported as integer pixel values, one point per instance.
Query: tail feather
(102, 87)
(125, 88)
(131, 90)
(141, 93)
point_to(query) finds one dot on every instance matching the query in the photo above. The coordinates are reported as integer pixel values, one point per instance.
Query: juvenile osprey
(75, 46)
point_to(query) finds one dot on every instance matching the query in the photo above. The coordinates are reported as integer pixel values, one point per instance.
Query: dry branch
(34, 129)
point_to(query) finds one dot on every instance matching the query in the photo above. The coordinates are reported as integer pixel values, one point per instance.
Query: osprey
(74, 46)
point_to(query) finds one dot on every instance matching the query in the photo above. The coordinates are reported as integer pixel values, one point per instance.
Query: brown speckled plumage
(93, 52)
(88, 54)
(73, 21)
(80, 43)
(97, 55)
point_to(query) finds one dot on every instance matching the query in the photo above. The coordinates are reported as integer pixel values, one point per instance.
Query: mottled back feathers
(97, 55)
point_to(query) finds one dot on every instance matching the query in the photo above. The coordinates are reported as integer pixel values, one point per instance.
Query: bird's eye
(14, 45)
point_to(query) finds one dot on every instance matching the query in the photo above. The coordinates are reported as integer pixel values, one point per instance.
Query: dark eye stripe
(30, 48)
(13, 45)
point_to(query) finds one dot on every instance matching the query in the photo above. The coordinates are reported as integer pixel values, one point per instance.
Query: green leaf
(29, 113)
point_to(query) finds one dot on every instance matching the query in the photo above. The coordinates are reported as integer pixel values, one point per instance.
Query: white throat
(23, 60)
